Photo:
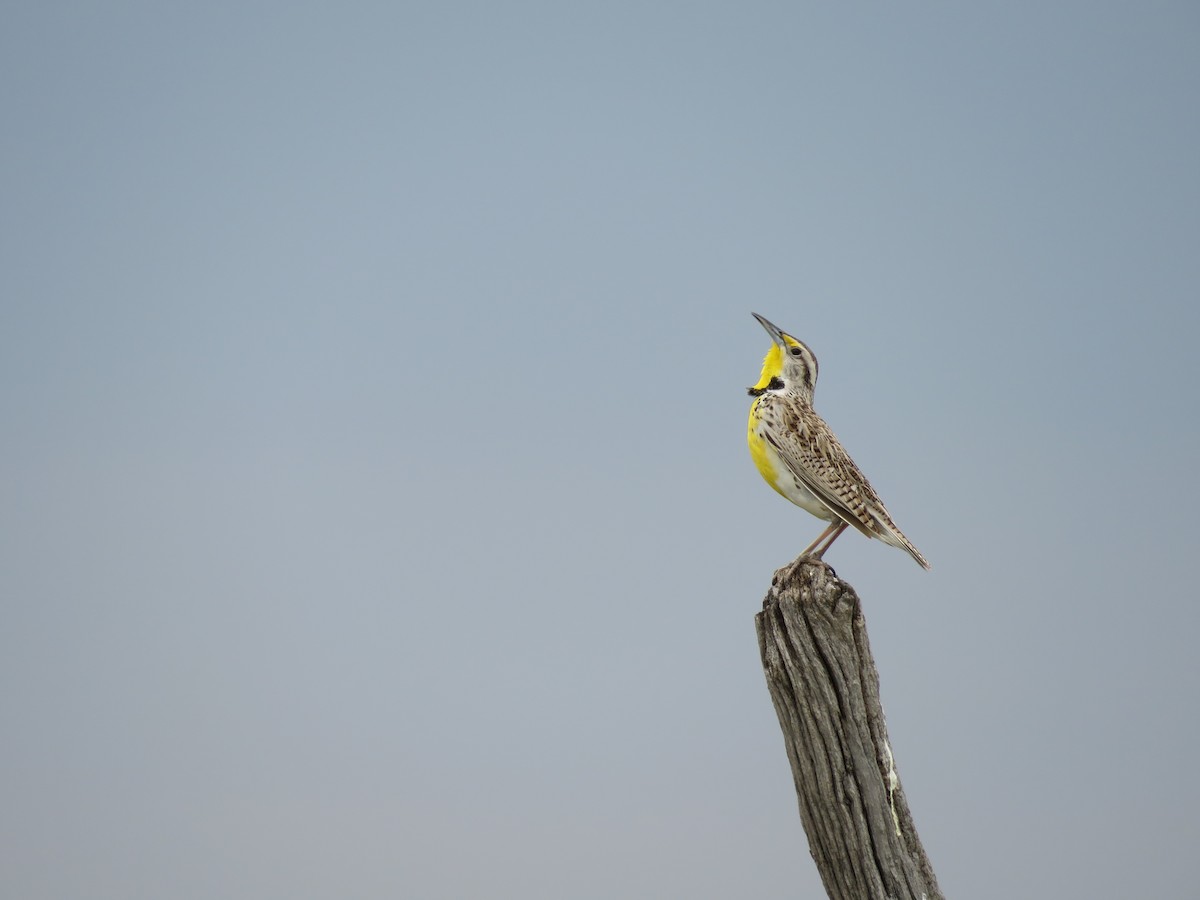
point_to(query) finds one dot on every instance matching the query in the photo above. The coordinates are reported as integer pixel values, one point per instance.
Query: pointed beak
(775, 333)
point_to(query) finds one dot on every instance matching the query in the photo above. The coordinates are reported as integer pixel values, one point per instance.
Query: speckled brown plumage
(799, 455)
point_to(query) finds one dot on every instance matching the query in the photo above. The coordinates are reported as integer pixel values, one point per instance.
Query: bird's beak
(775, 333)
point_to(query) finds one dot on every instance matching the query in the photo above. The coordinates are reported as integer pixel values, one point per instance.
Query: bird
(801, 458)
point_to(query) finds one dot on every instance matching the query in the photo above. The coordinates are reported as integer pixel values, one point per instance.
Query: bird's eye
(796, 351)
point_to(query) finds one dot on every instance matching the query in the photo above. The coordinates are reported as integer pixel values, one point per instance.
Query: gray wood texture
(823, 682)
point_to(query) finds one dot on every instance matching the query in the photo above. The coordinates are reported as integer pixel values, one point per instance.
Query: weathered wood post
(813, 642)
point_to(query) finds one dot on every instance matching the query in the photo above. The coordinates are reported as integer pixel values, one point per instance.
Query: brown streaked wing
(817, 459)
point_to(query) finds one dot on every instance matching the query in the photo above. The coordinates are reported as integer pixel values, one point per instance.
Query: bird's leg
(808, 551)
(836, 528)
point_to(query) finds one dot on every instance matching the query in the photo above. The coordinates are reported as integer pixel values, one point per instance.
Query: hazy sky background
(376, 515)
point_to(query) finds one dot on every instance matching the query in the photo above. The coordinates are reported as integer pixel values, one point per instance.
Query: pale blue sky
(377, 520)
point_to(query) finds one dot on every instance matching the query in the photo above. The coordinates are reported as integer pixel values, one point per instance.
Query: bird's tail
(890, 534)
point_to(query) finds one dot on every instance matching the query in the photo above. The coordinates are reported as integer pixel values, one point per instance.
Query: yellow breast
(776, 473)
(770, 466)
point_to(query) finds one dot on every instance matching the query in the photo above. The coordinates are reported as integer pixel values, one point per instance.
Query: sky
(375, 514)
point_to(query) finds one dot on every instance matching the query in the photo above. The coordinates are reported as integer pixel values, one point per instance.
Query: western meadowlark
(800, 457)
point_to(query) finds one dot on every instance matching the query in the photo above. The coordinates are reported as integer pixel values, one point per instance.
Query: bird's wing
(817, 459)
(819, 462)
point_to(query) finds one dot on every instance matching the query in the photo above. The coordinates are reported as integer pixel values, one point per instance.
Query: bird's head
(789, 367)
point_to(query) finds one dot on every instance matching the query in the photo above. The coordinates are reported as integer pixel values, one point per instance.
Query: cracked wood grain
(813, 641)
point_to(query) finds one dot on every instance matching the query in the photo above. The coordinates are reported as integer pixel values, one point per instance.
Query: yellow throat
(765, 458)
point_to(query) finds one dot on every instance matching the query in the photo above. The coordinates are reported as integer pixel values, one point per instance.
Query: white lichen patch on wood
(893, 780)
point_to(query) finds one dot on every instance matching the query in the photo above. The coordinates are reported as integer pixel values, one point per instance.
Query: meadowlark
(800, 457)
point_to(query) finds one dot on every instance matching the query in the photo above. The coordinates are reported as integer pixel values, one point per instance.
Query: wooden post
(813, 642)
